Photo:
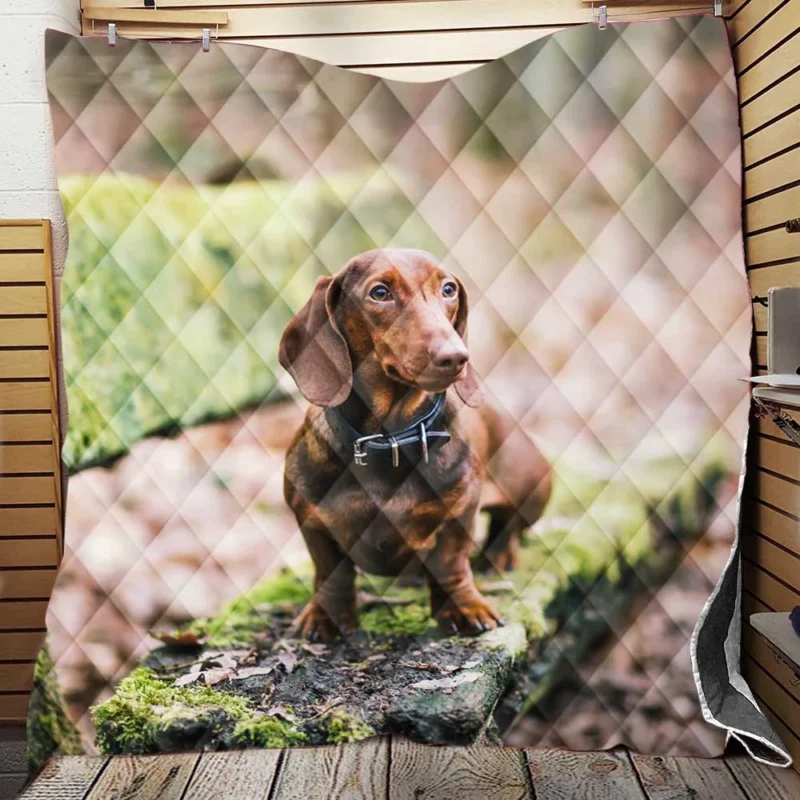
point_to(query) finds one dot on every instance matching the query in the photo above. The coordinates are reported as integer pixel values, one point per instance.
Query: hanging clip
(206, 39)
(717, 8)
(602, 19)
(112, 34)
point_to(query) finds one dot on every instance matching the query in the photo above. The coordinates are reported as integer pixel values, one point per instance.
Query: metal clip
(206, 39)
(395, 452)
(717, 8)
(112, 34)
(602, 19)
(423, 435)
(359, 453)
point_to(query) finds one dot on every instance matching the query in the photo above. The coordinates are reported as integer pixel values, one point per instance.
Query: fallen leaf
(249, 672)
(281, 711)
(224, 661)
(289, 660)
(189, 677)
(179, 638)
(376, 657)
(215, 676)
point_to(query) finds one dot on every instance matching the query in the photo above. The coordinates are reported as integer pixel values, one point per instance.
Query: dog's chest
(382, 521)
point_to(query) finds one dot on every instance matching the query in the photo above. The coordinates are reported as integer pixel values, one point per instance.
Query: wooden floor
(394, 769)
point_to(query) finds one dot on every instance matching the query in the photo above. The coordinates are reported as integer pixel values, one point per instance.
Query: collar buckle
(423, 437)
(359, 453)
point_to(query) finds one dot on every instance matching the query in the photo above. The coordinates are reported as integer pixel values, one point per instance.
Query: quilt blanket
(400, 407)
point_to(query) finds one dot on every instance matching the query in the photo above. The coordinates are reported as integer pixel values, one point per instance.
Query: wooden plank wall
(765, 40)
(30, 485)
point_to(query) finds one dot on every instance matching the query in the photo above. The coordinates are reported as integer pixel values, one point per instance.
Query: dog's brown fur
(381, 361)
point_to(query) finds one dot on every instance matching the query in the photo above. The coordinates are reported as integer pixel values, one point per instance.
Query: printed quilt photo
(397, 407)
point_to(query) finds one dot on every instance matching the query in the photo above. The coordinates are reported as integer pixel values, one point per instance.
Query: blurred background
(587, 189)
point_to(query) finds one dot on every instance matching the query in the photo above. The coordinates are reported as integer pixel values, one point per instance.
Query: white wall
(27, 176)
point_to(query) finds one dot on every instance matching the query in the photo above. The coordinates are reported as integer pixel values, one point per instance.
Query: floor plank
(244, 775)
(566, 775)
(66, 778)
(666, 778)
(352, 772)
(466, 773)
(162, 777)
(761, 782)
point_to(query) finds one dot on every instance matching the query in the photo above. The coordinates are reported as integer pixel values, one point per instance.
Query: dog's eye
(449, 290)
(380, 293)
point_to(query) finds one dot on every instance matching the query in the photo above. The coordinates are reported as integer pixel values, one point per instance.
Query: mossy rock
(50, 731)
(174, 297)
(398, 673)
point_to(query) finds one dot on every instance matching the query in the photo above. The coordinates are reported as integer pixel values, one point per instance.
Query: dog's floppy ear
(467, 385)
(313, 350)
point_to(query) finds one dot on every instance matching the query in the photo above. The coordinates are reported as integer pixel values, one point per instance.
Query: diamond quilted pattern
(585, 186)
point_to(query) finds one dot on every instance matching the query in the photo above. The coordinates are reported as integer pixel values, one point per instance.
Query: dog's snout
(451, 357)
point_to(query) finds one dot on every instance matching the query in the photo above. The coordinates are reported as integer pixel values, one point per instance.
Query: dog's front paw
(471, 617)
(316, 625)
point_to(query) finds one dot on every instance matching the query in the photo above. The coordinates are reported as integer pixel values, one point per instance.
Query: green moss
(144, 706)
(50, 730)
(239, 621)
(410, 620)
(343, 727)
(264, 731)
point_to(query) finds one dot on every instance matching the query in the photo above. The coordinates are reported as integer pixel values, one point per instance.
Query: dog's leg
(455, 601)
(500, 552)
(332, 609)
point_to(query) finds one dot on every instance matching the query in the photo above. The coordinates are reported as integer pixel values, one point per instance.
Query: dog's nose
(450, 356)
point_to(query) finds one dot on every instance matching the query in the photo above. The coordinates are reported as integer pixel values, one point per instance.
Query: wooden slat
(24, 363)
(762, 280)
(783, 23)
(18, 490)
(761, 350)
(25, 396)
(750, 15)
(776, 491)
(665, 778)
(244, 774)
(20, 300)
(23, 583)
(20, 646)
(334, 772)
(757, 647)
(21, 267)
(155, 16)
(462, 772)
(24, 332)
(24, 458)
(27, 553)
(775, 594)
(751, 605)
(25, 428)
(779, 456)
(778, 171)
(777, 527)
(27, 521)
(768, 247)
(774, 209)
(768, 427)
(22, 614)
(565, 775)
(763, 783)
(66, 778)
(774, 695)
(15, 678)
(14, 707)
(21, 237)
(767, 71)
(773, 559)
(162, 777)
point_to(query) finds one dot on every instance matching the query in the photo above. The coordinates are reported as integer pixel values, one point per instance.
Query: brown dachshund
(394, 459)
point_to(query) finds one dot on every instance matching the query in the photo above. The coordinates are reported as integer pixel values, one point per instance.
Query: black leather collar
(413, 443)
